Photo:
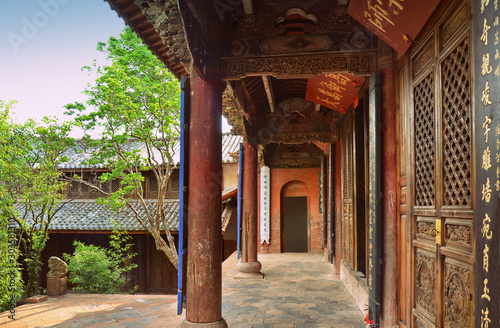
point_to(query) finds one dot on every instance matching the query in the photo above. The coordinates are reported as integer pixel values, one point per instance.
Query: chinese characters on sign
(487, 111)
(397, 22)
(335, 91)
(265, 204)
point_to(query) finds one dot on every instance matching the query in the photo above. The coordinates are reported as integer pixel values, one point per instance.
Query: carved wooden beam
(355, 62)
(231, 92)
(202, 32)
(299, 138)
(269, 92)
(195, 41)
(245, 99)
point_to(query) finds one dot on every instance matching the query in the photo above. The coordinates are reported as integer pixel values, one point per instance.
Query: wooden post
(249, 267)
(337, 172)
(204, 251)
(387, 116)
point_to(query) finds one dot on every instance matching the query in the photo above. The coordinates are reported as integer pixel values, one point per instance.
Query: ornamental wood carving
(424, 228)
(334, 24)
(356, 63)
(457, 296)
(299, 138)
(293, 156)
(166, 19)
(295, 121)
(232, 113)
(423, 58)
(459, 234)
(451, 26)
(425, 282)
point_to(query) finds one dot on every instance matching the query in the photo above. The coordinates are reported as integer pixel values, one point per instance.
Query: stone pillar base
(184, 323)
(57, 286)
(243, 275)
(249, 270)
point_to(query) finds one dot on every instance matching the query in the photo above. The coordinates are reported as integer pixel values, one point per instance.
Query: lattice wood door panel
(442, 212)
(348, 179)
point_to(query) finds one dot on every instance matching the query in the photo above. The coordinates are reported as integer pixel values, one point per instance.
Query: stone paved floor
(297, 291)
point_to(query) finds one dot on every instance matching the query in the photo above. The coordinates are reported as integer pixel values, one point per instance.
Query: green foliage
(134, 97)
(30, 183)
(11, 285)
(101, 270)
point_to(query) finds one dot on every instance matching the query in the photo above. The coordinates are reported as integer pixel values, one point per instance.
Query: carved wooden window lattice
(424, 142)
(153, 184)
(173, 183)
(457, 127)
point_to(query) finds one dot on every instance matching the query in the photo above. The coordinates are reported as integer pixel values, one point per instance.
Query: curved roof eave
(160, 28)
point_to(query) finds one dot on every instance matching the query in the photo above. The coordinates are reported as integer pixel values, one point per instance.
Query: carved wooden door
(348, 206)
(442, 213)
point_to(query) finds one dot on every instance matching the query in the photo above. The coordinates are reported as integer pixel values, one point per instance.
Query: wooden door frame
(445, 255)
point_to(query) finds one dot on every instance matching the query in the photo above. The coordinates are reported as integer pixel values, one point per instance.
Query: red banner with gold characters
(335, 91)
(397, 22)
(487, 140)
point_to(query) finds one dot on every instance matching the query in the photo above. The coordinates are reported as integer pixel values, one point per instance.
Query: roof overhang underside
(268, 53)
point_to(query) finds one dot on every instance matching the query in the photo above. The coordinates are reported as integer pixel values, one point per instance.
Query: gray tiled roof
(86, 214)
(79, 154)
(230, 147)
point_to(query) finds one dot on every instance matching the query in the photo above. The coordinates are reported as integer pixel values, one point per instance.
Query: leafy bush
(11, 285)
(96, 269)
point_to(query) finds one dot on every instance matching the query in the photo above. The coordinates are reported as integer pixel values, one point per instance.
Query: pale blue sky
(43, 45)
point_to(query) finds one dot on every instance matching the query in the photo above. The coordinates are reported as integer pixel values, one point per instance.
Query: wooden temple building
(371, 134)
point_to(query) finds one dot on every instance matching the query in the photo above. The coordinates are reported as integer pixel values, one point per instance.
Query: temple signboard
(397, 22)
(335, 91)
(487, 140)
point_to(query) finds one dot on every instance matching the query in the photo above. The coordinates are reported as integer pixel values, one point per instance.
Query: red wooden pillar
(249, 267)
(204, 258)
(338, 207)
(389, 309)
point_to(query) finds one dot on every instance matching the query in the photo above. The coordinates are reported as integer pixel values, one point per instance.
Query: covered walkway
(297, 291)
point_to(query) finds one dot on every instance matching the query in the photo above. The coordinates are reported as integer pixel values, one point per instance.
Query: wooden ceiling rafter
(289, 88)
(269, 92)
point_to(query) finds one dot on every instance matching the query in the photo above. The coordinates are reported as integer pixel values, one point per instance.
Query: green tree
(134, 97)
(11, 286)
(31, 183)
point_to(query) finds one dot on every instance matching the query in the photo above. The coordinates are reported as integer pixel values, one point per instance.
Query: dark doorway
(295, 224)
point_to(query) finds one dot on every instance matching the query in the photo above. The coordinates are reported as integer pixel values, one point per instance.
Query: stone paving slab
(83, 310)
(297, 291)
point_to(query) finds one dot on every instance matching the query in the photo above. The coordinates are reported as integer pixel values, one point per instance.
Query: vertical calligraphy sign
(487, 141)
(265, 204)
